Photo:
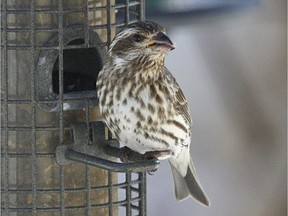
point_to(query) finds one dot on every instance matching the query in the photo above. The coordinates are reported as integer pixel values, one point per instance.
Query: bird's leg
(155, 155)
(125, 151)
(150, 155)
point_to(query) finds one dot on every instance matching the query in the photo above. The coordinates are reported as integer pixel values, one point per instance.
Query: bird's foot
(155, 155)
(150, 155)
(125, 152)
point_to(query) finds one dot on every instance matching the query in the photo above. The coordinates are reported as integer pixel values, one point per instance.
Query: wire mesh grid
(32, 183)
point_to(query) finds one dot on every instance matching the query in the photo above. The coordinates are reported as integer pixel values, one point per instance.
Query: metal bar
(138, 166)
(134, 3)
(4, 133)
(143, 193)
(21, 47)
(68, 10)
(109, 31)
(42, 128)
(88, 176)
(55, 209)
(142, 10)
(28, 101)
(73, 27)
(86, 23)
(110, 192)
(27, 11)
(61, 114)
(75, 190)
(126, 14)
(33, 117)
(123, 202)
(28, 155)
(128, 194)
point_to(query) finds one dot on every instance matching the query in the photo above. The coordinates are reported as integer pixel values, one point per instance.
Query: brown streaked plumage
(143, 105)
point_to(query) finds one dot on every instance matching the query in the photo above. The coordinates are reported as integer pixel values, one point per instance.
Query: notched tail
(194, 187)
(189, 185)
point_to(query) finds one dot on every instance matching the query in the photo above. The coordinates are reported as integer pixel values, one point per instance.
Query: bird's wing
(179, 100)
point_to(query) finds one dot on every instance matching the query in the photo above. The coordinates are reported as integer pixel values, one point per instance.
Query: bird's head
(141, 38)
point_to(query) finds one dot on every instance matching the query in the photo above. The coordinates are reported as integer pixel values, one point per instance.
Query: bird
(143, 105)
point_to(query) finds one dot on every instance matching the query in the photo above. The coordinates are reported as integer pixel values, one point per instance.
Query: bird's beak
(161, 43)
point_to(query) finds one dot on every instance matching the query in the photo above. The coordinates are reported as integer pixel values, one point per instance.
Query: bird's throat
(149, 68)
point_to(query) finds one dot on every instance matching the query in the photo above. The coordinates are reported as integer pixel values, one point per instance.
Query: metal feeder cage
(57, 158)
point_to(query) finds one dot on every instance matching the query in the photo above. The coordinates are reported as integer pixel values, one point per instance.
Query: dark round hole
(80, 69)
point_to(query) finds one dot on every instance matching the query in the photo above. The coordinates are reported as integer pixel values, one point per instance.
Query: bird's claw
(125, 152)
(155, 155)
(150, 155)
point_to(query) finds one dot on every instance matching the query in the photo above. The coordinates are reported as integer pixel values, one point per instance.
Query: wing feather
(178, 99)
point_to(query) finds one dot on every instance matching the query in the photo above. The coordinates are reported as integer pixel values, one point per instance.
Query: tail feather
(181, 190)
(188, 185)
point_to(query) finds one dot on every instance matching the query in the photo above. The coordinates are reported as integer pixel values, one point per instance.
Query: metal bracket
(91, 148)
(49, 100)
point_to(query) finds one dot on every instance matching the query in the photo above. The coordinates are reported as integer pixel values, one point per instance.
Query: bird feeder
(57, 158)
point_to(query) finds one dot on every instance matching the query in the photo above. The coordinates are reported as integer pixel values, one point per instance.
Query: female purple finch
(143, 105)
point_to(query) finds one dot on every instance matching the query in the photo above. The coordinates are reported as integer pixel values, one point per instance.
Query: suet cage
(51, 52)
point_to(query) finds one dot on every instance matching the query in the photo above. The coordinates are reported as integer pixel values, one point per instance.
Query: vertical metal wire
(33, 104)
(143, 195)
(110, 192)
(128, 194)
(86, 23)
(61, 117)
(5, 164)
(87, 114)
(109, 31)
(126, 14)
(88, 176)
(142, 10)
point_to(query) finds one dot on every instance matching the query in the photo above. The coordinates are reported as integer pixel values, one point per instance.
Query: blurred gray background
(231, 65)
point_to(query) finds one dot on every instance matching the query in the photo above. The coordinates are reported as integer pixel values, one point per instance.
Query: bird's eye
(137, 38)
